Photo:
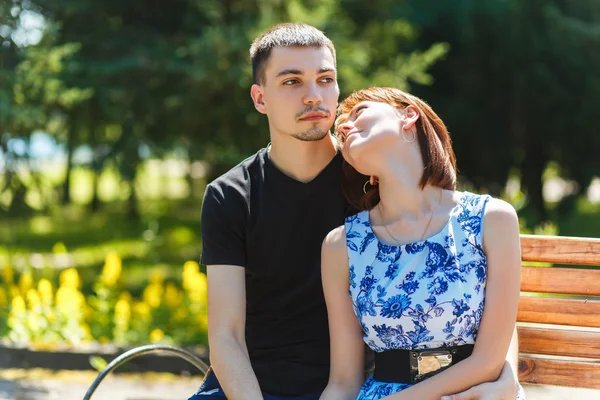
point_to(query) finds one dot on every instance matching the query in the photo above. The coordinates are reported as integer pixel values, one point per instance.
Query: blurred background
(115, 114)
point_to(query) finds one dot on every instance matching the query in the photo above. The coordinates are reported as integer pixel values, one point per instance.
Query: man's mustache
(312, 109)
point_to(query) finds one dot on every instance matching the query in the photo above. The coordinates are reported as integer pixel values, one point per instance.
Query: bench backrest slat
(561, 280)
(558, 372)
(570, 312)
(557, 342)
(560, 250)
(567, 325)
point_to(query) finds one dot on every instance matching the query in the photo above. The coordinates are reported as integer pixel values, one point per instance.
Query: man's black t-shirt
(258, 218)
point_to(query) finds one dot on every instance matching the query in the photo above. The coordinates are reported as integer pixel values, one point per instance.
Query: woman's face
(368, 130)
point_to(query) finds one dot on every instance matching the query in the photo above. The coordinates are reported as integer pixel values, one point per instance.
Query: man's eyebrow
(289, 72)
(323, 70)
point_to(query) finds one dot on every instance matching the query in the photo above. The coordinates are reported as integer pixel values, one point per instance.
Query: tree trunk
(532, 172)
(66, 197)
(97, 163)
(129, 166)
(95, 203)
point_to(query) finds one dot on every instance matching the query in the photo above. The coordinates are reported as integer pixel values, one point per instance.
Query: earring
(414, 137)
(372, 181)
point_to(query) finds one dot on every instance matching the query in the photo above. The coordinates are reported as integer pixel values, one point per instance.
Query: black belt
(412, 366)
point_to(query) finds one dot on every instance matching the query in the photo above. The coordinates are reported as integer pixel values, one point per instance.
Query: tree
(518, 88)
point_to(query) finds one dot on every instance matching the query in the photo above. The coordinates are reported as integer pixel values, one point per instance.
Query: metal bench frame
(140, 351)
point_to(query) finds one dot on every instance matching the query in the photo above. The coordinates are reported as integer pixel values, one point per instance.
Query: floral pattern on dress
(421, 295)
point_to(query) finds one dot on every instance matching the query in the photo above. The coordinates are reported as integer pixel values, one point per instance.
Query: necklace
(426, 226)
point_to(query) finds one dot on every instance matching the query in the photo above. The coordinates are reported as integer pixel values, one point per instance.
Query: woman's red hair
(432, 135)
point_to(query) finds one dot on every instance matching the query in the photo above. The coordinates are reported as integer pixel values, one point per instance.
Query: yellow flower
(50, 315)
(198, 289)
(142, 310)
(8, 275)
(3, 297)
(45, 289)
(112, 269)
(14, 291)
(202, 321)
(122, 310)
(156, 276)
(190, 270)
(18, 305)
(33, 298)
(153, 294)
(70, 301)
(70, 278)
(87, 332)
(34, 322)
(156, 335)
(173, 296)
(25, 282)
(125, 295)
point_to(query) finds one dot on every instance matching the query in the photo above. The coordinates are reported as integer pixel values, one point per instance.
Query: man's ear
(256, 92)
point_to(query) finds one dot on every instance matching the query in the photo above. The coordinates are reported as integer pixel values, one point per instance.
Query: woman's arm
(507, 385)
(502, 248)
(347, 372)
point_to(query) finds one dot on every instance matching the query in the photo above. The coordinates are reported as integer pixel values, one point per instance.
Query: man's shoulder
(238, 178)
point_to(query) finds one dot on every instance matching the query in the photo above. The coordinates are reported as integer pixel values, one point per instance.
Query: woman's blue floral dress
(421, 295)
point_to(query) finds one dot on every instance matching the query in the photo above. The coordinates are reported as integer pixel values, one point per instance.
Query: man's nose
(313, 95)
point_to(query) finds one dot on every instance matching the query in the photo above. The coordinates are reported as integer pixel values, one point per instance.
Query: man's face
(300, 92)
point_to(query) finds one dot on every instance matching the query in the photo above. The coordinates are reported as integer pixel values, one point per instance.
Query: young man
(263, 223)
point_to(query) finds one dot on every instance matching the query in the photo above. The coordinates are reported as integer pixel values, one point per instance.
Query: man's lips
(313, 116)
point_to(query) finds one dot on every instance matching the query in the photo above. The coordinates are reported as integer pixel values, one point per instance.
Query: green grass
(162, 240)
(165, 236)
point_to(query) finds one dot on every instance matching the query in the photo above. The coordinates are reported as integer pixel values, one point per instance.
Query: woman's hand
(505, 388)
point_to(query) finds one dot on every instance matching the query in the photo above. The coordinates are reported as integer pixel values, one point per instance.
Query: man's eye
(290, 82)
(327, 80)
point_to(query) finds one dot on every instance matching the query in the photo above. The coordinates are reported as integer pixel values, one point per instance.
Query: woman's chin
(355, 152)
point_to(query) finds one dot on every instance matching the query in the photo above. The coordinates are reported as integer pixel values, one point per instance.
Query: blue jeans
(210, 389)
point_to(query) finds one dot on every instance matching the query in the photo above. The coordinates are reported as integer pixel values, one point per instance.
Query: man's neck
(302, 161)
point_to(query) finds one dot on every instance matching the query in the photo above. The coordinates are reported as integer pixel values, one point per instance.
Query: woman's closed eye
(358, 110)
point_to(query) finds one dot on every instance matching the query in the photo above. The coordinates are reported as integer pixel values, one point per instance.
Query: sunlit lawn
(166, 235)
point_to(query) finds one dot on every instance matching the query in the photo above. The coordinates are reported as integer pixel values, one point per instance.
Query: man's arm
(226, 332)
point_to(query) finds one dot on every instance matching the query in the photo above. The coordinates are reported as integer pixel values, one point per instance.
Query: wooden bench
(559, 330)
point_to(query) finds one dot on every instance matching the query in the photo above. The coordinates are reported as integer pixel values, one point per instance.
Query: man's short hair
(284, 35)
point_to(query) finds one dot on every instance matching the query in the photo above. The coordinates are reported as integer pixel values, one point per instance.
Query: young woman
(432, 273)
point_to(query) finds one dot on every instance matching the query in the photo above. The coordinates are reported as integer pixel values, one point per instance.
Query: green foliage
(518, 89)
(516, 81)
(180, 77)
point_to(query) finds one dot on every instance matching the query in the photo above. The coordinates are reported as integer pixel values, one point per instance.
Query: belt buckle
(426, 363)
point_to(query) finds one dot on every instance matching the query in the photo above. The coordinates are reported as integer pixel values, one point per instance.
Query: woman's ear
(410, 115)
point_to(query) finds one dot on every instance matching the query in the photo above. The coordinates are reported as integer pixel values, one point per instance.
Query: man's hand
(505, 388)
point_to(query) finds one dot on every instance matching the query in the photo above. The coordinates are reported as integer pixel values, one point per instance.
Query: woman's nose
(342, 130)
(345, 127)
